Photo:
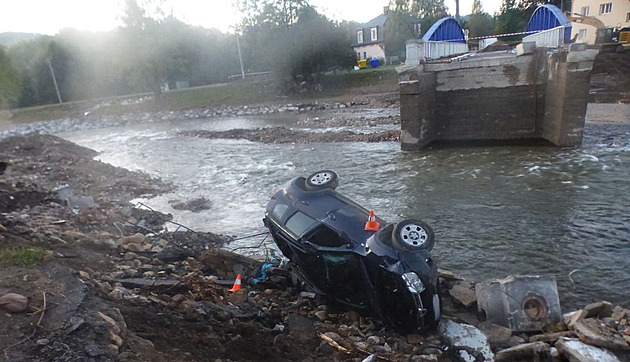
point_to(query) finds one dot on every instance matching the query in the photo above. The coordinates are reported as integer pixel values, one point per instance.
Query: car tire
(324, 179)
(412, 235)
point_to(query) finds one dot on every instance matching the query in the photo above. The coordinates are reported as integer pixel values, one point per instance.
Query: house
(369, 39)
(588, 16)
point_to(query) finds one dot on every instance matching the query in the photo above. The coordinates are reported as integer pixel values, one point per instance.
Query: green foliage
(429, 10)
(22, 257)
(296, 45)
(399, 28)
(510, 20)
(479, 24)
(9, 81)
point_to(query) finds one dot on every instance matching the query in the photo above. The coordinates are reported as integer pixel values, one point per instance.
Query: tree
(399, 28)
(477, 8)
(146, 43)
(429, 10)
(511, 19)
(478, 23)
(9, 81)
(282, 13)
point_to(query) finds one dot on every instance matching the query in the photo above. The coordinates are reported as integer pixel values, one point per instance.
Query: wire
(250, 236)
(252, 247)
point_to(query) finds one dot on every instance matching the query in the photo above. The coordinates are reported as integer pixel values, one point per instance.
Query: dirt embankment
(610, 78)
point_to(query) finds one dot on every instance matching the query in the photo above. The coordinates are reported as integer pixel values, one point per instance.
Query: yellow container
(362, 63)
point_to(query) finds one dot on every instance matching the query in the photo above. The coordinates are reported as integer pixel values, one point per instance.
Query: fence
(419, 50)
(551, 38)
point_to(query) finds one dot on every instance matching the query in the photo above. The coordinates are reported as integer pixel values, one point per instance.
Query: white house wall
(371, 51)
(591, 33)
(617, 18)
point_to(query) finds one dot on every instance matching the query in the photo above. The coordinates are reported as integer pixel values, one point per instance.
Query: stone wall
(497, 96)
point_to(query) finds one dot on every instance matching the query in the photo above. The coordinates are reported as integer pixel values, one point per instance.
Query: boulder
(132, 239)
(13, 302)
(464, 293)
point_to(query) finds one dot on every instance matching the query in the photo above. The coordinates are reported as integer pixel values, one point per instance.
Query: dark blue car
(340, 250)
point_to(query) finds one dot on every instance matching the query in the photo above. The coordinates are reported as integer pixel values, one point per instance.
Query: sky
(50, 16)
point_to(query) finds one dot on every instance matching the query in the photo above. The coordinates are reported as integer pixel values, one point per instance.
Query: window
(605, 8)
(325, 236)
(374, 34)
(584, 11)
(582, 34)
(299, 223)
(278, 211)
(628, 18)
(360, 36)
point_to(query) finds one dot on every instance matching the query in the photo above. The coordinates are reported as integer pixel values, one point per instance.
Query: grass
(255, 91)
(22, 257)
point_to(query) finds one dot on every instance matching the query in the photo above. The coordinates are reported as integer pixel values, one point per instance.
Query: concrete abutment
(497, 96)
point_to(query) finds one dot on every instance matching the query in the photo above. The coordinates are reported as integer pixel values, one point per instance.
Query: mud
(285, 135)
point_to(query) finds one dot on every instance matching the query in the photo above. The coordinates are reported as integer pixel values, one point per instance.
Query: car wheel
(322, 180)
(413, 235)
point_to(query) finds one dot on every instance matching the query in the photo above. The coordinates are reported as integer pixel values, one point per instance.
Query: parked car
(342, 251)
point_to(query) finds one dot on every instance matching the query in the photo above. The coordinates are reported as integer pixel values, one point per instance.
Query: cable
(250, 236)
(252, 247)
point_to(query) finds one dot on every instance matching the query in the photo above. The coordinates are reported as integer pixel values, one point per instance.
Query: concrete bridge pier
(497, 96)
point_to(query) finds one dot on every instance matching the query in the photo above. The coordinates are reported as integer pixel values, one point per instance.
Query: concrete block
(464, 293)
(521, 303)
(524, 48)
(498, 336)
(464, 335)
(594, 332)
(571, 318)
(576, 351)
(599, 309)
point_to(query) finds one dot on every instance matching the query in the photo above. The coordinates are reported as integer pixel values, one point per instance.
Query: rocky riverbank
(104, 280)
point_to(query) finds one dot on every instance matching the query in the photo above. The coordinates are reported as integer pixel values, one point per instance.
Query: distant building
(590, 15)
(369, 41)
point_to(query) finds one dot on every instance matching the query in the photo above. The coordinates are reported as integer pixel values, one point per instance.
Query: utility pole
(240, 57)
(52, 71)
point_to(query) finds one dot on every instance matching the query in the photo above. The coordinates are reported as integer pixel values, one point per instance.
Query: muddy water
(496, 211)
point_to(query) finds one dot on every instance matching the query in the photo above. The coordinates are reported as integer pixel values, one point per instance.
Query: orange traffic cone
(237, 284)
(371, 224)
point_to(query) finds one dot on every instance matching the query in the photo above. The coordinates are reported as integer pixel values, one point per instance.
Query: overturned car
(340, 250)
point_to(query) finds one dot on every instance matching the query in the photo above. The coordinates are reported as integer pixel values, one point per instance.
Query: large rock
(13, 302)
(576, 351)
(497, 335)
(464, 293)
(467, 336)
(599, 309)
(594, 332)
(132, 239)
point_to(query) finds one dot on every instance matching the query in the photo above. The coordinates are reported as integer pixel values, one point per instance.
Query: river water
(496, 211)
